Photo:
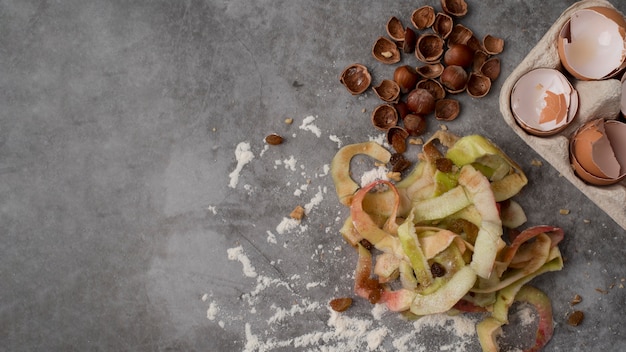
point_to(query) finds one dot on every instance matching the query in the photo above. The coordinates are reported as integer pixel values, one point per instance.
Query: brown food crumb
(444, 164)
(577, 299)
(399, 163)
(341, 304)
(394, 176)
(563, 211)
(366, 244)
(273, 139)
(289, 120)
(297, 213)
(536, 162)
(575, 318)
(416, 141)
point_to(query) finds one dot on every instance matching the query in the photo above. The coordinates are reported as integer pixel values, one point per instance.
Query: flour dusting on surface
(237, 254)
(307, 125)
(264, 322)
(243, 155)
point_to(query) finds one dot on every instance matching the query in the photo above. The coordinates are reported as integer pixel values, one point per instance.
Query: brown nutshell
(433, 87)
(429, 48)
(420, 101)
(447, 109)
(423, 17)
(443, 25)
(456, 8)
(396, 137)
(388, 91)
(431, 70)
(384, 117)
(395, 29)
(478, 85)
(480, 57)
(409, 41)
(415, 124)
(491, 68)
(460, 34)
(356, 78)
(386, 51)
(454, 79)
(406, 77)
(459, 54)
(493, 45)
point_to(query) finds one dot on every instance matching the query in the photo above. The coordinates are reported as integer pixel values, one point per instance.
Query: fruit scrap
(439, 232)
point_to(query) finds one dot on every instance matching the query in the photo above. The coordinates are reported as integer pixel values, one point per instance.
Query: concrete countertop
(128, 224)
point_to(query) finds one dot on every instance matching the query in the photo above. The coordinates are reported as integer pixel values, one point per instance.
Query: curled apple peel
(439, 233)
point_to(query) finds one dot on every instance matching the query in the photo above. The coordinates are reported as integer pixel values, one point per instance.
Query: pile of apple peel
(434, 241)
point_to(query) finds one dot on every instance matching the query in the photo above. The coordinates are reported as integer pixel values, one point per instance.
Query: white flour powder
(353, 330)
(307, 125)
(243, 155)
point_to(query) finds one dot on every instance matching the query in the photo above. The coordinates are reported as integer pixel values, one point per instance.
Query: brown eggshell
(598, 151)
(564, 35)
(623, 96)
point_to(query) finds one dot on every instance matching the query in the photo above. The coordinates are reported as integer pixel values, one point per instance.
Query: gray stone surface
(118, 130)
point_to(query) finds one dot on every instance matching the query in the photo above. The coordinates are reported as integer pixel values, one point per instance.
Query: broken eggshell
(623, 97)
(591, 44)
(598, 152)
(543, 101)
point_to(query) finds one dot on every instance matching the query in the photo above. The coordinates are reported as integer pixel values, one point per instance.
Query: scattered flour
(307, 125)
(336, 332)
(236, 253)
(378, 173)
(290, 163)
(271, 238)
(211, 313)
(243, 155)
(336, 140)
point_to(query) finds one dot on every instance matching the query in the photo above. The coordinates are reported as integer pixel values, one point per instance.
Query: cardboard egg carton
(597, 99)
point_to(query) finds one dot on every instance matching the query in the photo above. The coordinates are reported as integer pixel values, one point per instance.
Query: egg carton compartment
(597, 99)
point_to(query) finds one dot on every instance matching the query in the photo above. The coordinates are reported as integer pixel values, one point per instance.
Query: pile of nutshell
(451, 60)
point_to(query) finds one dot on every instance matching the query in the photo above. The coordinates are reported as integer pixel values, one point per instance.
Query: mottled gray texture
(118, 126)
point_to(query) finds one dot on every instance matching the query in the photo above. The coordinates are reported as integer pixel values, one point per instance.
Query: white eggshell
(530, 97)
(593, 45)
